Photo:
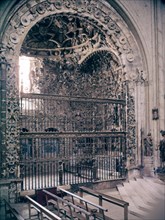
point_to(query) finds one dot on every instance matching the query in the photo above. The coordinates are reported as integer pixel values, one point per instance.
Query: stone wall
(148, 17)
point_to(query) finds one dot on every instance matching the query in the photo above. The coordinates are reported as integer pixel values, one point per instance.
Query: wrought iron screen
(68, 140)
(73, 104)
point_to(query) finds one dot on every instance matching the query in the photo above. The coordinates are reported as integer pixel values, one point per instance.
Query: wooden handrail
(67, 203)
(42, 209)
(82, 199)
(113, 200)
(106, 198)
(13, 211)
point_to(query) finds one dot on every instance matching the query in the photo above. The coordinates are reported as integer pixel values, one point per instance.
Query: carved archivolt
(99, 32)
(91, 13)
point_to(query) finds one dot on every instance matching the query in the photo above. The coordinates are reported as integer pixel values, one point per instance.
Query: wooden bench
(66, 208)
(44, 212)
(97, 211)
(81, 204)
(107, 198)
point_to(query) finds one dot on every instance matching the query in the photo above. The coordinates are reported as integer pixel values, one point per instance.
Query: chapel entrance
(73, 105)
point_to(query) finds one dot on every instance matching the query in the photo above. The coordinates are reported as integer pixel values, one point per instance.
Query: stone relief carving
(141, 78)
(96, 14)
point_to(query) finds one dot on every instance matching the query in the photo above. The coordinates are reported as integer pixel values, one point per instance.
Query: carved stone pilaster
(3, 68)
(9, 118)
(131, 126)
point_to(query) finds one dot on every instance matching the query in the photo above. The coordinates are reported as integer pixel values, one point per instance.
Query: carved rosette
(99, 14)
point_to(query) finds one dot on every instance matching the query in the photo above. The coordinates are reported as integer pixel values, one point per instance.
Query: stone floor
(146, 199)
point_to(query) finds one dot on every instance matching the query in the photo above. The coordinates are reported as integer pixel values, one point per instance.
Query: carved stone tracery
(102, 32)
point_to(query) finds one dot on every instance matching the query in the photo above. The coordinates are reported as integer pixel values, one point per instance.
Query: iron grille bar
(71, 98)
(70, 134)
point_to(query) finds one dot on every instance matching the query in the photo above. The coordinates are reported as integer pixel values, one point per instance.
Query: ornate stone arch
(100, 14)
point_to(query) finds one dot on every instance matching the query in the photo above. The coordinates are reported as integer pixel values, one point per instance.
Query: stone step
(136, 198)
(157, 180)
(132, 207)
(149, 188)
(160, 188)
(147, 198)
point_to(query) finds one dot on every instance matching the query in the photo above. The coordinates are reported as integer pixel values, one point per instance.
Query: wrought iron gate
(68, 140)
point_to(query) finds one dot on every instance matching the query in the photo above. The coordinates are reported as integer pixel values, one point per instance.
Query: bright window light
(24, 71)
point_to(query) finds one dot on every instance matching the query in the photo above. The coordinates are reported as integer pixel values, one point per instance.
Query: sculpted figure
(162, 149)
(148, 145)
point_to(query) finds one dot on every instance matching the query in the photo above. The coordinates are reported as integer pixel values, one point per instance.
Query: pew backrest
(107, 198)
(43, 211)
(84, 200)
(69, 204)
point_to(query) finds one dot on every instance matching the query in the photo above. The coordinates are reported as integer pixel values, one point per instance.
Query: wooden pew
(107, 198)
(83, 203)
(66, 208)
(44, 212)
